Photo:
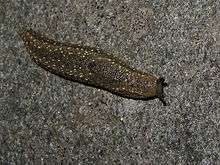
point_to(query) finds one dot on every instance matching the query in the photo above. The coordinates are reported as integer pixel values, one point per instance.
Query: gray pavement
(45, 119)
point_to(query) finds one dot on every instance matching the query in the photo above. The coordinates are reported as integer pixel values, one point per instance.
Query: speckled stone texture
(46, 119)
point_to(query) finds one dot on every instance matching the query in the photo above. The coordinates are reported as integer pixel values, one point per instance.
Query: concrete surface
(47, 120)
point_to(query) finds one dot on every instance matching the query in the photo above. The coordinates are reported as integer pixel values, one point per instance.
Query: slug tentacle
(160, 92)
(92, 67)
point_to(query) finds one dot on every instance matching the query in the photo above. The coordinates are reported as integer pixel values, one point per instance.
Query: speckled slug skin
(92, 67)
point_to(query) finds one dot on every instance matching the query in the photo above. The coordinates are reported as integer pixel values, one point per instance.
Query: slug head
(159, 90)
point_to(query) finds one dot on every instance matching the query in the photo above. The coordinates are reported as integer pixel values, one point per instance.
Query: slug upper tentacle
(92, 67)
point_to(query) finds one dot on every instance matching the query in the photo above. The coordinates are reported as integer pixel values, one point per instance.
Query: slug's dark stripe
(93, 67)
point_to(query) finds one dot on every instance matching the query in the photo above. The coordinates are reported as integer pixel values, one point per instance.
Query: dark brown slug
(92, 67)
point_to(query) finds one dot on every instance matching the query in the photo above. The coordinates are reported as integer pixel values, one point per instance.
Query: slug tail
(22, 32)
(160, 90)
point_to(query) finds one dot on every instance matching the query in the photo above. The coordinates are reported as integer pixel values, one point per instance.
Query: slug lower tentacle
(92, 67)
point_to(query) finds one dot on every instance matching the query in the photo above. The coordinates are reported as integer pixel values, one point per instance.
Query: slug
(92, 67)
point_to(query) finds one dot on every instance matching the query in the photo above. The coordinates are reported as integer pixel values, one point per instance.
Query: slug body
(92, 67)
